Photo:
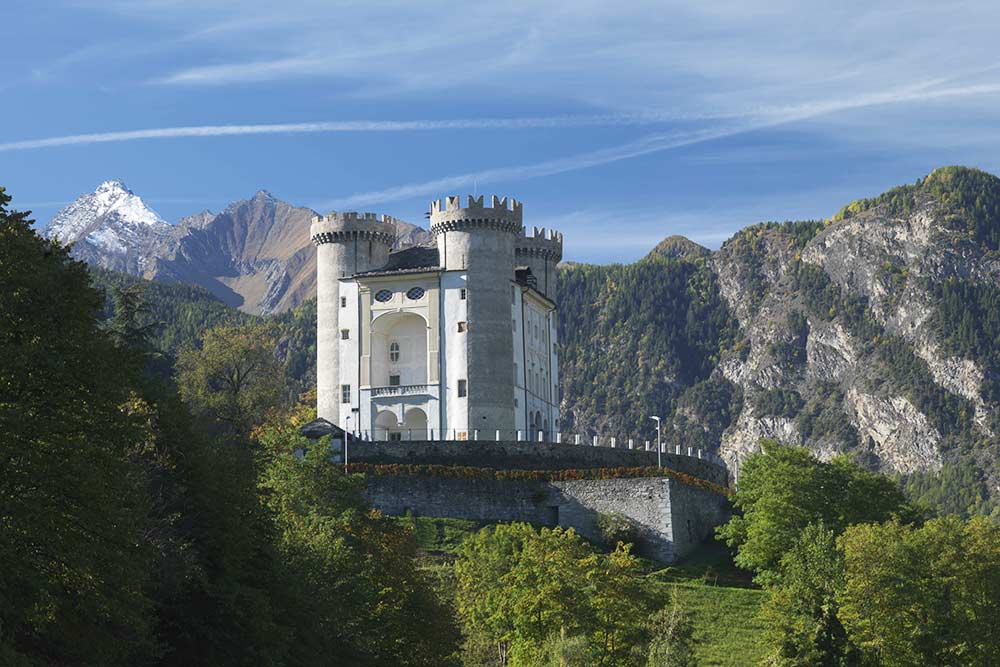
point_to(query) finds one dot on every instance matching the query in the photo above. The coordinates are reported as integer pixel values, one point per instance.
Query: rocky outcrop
(895, 432)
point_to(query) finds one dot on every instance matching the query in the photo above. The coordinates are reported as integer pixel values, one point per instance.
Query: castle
(441, 362)
(452, 342)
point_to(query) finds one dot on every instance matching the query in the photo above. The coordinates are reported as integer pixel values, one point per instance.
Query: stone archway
(386, 426)
(415, 424)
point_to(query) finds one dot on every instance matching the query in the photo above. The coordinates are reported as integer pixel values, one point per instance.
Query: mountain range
(255, 255)
(874, 333)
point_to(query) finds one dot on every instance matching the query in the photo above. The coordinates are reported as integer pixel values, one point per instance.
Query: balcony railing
(404, 390)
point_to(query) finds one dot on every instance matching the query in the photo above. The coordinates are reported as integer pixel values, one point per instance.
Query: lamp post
(659, 449)
(347, 435)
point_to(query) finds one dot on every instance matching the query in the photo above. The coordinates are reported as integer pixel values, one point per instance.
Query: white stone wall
(349, 355)
(454, 356)
(540, 374)
(413, 325)
(519, 371)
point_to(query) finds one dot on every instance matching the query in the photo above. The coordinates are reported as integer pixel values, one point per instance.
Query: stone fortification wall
(528, 456)
(671, 518)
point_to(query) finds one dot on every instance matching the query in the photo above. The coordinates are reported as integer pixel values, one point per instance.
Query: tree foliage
(72, 511)
(534, 594)
(784, 489)
(359, 597)
(926, 595)
(130, 535)
(801, 614)
(233, 377)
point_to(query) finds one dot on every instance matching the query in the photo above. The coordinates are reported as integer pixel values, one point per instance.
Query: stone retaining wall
(671, 517)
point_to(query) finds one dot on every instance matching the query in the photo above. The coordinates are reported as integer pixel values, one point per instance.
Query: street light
(659, 463)
(347, 435)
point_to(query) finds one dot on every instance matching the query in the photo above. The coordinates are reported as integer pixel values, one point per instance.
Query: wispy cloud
(549, 122)
(649, 144)
(655, 143)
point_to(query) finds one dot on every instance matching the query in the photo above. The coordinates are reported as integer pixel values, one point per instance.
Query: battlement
(540, 243)
(502, 213)
(334, 227)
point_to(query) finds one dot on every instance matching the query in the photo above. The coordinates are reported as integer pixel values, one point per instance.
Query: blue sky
(617, 123)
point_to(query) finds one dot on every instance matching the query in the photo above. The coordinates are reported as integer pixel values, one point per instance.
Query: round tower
(541, 254)
(346, 243)
(480, 240)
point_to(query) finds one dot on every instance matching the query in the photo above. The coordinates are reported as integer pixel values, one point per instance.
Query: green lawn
(725, 620)
(719, 596)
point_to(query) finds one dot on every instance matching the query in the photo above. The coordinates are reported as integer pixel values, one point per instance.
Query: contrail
(649, 144)
(341, 126)
(655, 143)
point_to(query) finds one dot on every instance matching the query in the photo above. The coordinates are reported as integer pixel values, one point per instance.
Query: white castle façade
(453, 342)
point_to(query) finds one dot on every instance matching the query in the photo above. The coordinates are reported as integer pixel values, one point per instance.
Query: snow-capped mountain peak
(112, 204)
(111, 222)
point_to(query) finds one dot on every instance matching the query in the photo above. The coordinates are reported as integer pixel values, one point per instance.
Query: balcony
(403, 390)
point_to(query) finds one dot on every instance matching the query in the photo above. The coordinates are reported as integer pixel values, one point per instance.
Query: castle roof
(416, 259)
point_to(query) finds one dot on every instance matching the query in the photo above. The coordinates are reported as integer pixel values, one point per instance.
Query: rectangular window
(345, 334)
(516, 376)
(463, 389)
(513, 294)
(514, 324)
(461, 327)
(393, 380)
(343, 302)
(462, 294)
(396, 437)
(345, 393)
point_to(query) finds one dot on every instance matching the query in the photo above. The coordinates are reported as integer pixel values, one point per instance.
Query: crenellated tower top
(540, 244)
(503, 214)
(334, 227)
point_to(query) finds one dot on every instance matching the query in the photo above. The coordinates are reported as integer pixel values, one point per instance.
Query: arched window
(393, 351)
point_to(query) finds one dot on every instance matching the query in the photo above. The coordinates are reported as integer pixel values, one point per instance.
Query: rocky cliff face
(844, 319)
(874, 334)
(255, 255)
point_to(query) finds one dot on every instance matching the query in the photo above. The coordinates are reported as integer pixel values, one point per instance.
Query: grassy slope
(716, 594)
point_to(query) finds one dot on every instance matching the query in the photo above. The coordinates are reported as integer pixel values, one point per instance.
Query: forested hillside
(643, 339)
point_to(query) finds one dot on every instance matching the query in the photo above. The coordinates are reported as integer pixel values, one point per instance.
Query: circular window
(383, 295)
(415, 294)
(394, 351)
